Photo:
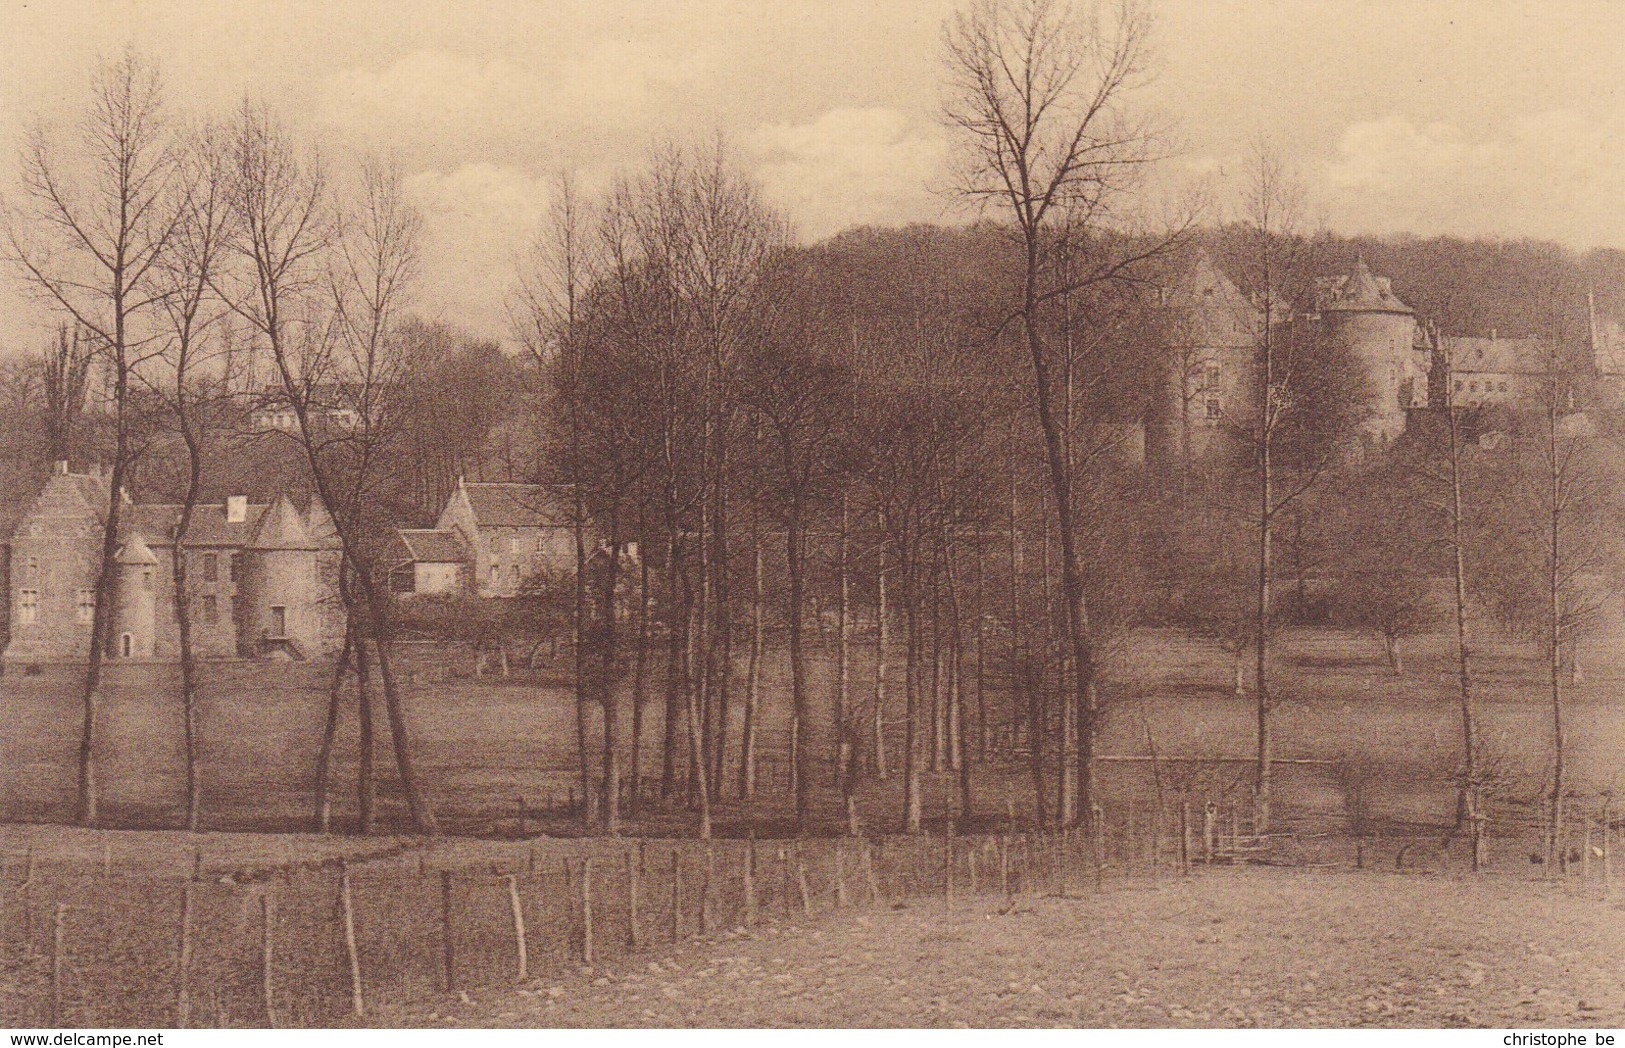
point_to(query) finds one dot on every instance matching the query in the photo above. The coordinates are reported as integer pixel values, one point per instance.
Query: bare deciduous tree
(91, 233)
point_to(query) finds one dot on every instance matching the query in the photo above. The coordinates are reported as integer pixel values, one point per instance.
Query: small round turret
(134, 600)
(279, 586)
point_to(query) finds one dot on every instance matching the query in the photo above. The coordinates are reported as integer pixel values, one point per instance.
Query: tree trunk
(366, 778)
(911, 674)
(183, 612)
(801, 752)
(101, 628)
(721, 658)
(579, 629)
(323, 802)
(676, 627)
(640, 681)
(605, 685)
(843, 657)
(1262, 784)
(1557, 854)
(753, 673)
(882, 613)
(1468, 795)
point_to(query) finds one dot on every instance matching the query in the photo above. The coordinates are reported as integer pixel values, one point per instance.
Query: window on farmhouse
(210, 609)
(234, 567)
(211, 567)
(27, 606)
(85, 607)
(1215, 410)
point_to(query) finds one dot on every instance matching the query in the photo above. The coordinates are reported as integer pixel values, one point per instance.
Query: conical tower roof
(1363, 292)
(135, 553)
(281, 529)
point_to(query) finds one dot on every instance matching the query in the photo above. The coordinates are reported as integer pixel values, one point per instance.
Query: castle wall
(1381, 344)
(279, 600)
(214, 605)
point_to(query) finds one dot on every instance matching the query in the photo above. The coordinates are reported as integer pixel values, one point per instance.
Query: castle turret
(1366, 322)
(134, 600)
(279, 597)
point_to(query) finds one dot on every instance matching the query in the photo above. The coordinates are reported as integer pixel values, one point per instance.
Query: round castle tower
(1363, 318)
(279, 588)
(134, 601)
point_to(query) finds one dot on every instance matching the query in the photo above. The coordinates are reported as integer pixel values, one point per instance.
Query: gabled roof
(281, 528)
(160, 521)
(516, 506)
(1513, 356)
(1360, 292)
(433, 545)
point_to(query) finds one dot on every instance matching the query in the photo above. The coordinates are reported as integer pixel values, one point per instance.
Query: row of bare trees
(902, 455)
(167, 246)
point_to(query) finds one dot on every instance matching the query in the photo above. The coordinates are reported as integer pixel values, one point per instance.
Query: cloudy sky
(1471, 117)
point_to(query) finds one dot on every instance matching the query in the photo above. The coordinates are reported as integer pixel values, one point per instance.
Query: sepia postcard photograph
(842, 514)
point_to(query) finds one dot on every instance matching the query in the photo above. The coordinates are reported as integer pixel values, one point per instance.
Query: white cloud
(848, 167)
(476, 221)
(441, 95)
(1551, 175)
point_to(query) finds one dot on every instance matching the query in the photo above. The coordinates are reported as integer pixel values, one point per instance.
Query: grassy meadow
(485, 743)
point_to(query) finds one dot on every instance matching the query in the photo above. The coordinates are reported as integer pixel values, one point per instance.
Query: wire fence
(94, 944)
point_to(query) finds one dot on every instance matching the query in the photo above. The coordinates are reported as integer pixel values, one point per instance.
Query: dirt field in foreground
(1249, 947)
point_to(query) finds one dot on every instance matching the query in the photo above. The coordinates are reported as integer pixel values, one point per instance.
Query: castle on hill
(1214, 330)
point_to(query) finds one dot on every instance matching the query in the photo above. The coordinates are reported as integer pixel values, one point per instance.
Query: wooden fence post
(347, 911)
(1184, 837)
(1096, 845)
(748, 876)
(801, 882)
(59, 950)
(107, 858)
(634, 875)
(948, 867)
(267, 951)
(676, 894)
(448, 946)
(784, 865)
(1607, 849)
(705, 890)
(586, 911)
(183, 966)
(26, 890)
(970, 867)
(520, 946)
(1004, 868)
(1210, 829)
(870, 875)
(840, 874)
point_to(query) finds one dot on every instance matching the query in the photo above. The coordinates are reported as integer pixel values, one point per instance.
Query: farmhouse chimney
(61, 467)
(236, 509)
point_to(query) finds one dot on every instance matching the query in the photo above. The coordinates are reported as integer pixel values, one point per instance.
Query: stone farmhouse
(491, 540)
(264, 578)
